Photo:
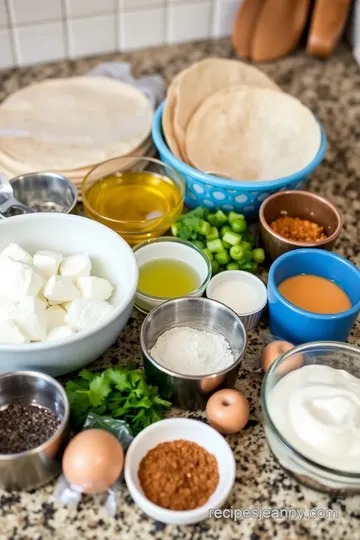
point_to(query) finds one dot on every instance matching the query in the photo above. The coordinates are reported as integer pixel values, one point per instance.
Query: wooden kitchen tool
(244, 26)
(327, 25)
(279, 28)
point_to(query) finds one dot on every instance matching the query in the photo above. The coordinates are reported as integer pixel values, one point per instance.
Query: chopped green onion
(247, 246)
(215, 246)
(258, 255)
(221, 217)
(211, 218)
(232, 238)
(224, 229)
(238, 225)
(237, 253)
(204, 228)
(213, 234)
(208, 253)
(232, 266)
(199, 244)
(233, 215)
(215, 267)
(226, 245)
(223, 257)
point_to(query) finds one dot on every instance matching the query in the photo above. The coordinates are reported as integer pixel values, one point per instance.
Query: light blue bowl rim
(217, 181)
(311, 252)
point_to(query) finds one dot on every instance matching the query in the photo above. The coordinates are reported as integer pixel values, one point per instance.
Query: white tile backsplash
(6, 55)
(34, 11)
(39, 43)
(83, 8)
(139, 29)
(3, 14)
(223, 17)
(91, 36)
(37, 31)
(187, 22)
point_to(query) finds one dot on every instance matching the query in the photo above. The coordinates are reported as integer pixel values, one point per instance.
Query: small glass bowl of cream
(169, 268)
(310, 399)
(241, 291)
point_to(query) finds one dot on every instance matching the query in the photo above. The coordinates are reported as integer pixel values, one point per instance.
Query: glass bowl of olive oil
(169, 268)
(139, 201)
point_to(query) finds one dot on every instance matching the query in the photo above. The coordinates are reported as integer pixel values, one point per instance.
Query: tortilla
(201, 80)
(168, 119)
(252, 134)
(74, 122)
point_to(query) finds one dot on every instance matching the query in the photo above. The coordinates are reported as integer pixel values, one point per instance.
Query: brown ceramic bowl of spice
(178, 471)
(296, 219)
(34, 417)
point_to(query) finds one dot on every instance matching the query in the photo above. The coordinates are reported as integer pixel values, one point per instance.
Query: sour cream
(317, 410)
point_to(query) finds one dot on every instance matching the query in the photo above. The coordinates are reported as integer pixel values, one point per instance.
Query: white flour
(192, 352)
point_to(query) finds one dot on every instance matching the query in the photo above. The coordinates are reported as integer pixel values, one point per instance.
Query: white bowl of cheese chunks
(67, 288)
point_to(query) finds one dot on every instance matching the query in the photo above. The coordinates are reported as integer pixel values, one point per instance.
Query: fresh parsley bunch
(119, 392)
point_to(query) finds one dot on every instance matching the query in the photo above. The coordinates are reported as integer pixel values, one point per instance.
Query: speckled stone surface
(332, 90)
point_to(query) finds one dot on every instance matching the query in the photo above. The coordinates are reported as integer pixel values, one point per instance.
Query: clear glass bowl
(109, 209)
(329, 353)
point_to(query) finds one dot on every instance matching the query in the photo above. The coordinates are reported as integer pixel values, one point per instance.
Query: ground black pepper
(24, 426)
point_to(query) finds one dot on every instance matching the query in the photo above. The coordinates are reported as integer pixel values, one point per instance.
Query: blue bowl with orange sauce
(203, 189)
(298, 325)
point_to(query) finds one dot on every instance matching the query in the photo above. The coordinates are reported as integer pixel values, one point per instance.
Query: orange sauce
(315, 294)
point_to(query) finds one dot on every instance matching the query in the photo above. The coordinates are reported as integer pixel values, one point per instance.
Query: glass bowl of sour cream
(310, 400)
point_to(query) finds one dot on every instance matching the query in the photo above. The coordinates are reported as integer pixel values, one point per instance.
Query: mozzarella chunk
(76, 266)
(66, 306)
(86, 313)
(7, 308)
(11, 334)
(95, 288)
(47, 262)
(55, 316)
(17, 253)
(60, 289)
(30, 316)
(18, 279)
(59, 332)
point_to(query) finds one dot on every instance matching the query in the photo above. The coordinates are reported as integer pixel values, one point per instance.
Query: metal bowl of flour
(191, 392)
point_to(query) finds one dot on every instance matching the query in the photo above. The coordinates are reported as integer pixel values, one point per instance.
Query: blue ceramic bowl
(215, 192)
(297, 325)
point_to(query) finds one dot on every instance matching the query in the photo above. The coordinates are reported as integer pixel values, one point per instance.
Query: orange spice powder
(297, 229)
(178, 475)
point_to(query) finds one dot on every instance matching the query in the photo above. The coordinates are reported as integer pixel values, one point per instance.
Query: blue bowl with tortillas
(191, 348)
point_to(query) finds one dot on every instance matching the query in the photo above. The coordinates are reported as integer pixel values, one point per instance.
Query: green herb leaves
(118, 392)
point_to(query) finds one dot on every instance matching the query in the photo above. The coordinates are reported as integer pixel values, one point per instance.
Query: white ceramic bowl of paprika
(173, 429)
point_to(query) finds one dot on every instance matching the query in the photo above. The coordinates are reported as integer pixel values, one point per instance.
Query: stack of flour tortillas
(69, 125)
(228, 118)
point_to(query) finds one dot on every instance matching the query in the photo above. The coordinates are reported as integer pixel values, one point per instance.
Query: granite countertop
(331, 90)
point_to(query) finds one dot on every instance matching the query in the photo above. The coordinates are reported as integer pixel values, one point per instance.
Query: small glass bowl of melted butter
(139, 200)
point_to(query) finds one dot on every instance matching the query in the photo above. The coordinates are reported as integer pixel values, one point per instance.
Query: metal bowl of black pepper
(34, 429)
(44, 192)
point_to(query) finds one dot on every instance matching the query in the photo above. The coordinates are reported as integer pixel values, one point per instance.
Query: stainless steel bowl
(189, 391)
(45, 192)
(36, 467)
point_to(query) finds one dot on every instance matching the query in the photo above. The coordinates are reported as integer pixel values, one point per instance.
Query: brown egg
(93, 460)
(211, 383)
(227, 411)
(275, 349)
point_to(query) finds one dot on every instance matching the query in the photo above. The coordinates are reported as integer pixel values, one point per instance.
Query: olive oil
(167, 278)
(133, 196)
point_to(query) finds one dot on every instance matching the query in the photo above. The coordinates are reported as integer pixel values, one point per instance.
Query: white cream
(317, 410)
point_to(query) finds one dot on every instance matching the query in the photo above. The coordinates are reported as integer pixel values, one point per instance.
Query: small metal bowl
(191, 391)
(45, 192)
(38, 466)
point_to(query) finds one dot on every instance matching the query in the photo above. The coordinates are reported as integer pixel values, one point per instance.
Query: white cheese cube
(41, 297)
(17, 253)
(7, 308)
(47, 262)
(55, 316)
(60, 289)
(30, 316)
(66, 306)
(76, 266)
(59, 332)
(86, 313)
(95, 288)
(18, 279)
(11, 334)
